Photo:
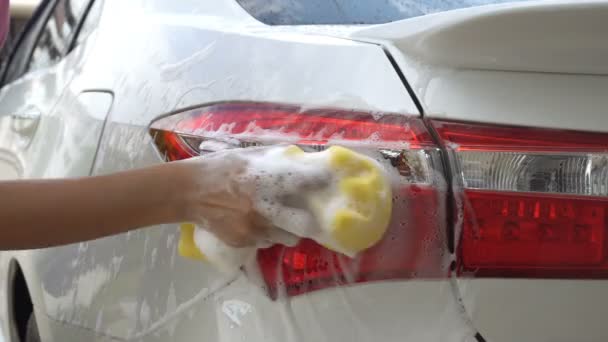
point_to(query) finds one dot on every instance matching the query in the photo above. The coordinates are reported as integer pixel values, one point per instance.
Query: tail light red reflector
(534, 201)
(533, 232)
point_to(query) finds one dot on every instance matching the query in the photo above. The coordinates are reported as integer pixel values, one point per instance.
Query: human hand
(241, 195)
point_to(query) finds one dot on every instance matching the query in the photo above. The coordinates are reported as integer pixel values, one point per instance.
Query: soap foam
(300, 194)
(281, 185)
(297, 193)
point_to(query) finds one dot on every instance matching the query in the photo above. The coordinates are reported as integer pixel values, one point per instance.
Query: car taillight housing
(532, 202)
(415, 245)
(526, 202)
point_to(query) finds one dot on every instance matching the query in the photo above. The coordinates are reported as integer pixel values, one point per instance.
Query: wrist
(184, 190)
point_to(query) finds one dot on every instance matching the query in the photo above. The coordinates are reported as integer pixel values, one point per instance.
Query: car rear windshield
(349, 12)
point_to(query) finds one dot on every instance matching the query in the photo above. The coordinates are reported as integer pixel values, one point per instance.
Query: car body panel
(156, 283)
(537, 310)
(392, 311)
(55, 331)
(547, 100)
(68, 127)
(130, 285)
(10, 167)
(538, 63)
(458, 73)
(415, 310)
(561, 101)
(134, 286)
(553, 36)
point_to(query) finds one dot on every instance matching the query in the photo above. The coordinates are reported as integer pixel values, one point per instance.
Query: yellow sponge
(186, 247)
(365, 215)
(353, 212)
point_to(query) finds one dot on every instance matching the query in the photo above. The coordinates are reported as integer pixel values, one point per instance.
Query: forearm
(44, 213)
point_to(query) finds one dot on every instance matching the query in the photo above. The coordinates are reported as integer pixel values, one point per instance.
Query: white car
(495, 115)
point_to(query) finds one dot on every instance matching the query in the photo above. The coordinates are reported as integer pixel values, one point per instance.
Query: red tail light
(415, 245)
(535, 201)
(413, 248)
(532, 202)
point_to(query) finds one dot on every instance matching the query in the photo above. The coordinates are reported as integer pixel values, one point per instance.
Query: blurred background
(20, 13)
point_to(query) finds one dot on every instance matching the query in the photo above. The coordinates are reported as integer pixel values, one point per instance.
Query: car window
(90, 22)
(315, 12)
(55, 38)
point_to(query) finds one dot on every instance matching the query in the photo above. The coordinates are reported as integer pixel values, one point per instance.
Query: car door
(49, 124)
(33, 80)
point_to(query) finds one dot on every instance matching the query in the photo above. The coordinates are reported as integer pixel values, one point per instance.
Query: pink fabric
(4, 21)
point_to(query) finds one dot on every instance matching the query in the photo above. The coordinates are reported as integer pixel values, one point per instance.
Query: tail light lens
(534, 202)
(529, 202)
(415, 245)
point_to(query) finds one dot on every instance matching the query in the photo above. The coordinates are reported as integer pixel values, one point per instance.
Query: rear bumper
(52, 330)
(384, 311)
(539, 310)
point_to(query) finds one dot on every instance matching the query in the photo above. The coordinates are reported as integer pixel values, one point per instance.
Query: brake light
(415, 245)
(534, 201)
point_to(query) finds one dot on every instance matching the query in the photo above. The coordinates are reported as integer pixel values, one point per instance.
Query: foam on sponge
(350, 213)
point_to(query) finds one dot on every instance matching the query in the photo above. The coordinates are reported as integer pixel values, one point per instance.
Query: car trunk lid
(550, 36)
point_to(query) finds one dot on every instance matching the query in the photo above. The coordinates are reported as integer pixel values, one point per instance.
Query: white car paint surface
(89, 114)
(533, 64)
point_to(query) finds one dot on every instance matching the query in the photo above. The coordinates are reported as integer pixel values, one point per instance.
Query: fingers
(277, 235)
(244, 199)
(235, 229)
(295, 221)
(239, 231)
